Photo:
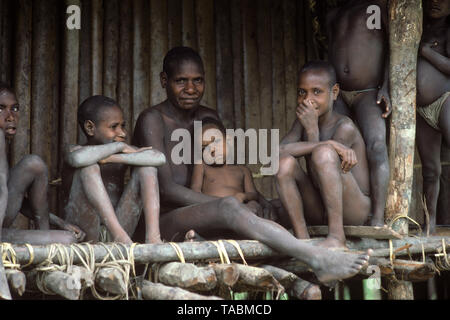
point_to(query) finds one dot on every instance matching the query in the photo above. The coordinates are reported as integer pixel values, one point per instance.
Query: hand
(256, 208)
(383, 95)
(308, 115)
(426, 46)
(123, 238)
(79, 234)
(129, 149)
(347, 155)
(240, 196)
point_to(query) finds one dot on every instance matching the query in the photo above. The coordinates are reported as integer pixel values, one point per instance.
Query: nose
(190, 87)
(122, 133)
(10, 117)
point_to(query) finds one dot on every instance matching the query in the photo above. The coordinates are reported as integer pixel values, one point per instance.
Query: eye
(301, 92)
(198, 81)
(180, 81)
(317, 91)
(15, 108)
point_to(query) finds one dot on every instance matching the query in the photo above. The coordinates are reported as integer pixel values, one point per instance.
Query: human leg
(429, 146)
(29, 176)
(141, 193)
(298, 196)
(373, 127)
(229, 213)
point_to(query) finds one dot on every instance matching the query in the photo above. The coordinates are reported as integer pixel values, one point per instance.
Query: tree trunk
(405, 29)
(158, 291)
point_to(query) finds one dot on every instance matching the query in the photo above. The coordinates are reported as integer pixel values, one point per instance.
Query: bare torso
(357, 53)
(331, 132)
(431, 82)
(223, 181)
(181, 173)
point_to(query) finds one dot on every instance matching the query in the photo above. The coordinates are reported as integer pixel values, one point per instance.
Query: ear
(89, 127)
(335, 91)
(164, 79)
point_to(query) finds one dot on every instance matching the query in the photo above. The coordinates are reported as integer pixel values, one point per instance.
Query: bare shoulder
(205, 112)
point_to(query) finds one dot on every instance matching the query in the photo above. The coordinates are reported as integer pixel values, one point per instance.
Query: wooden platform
(381, 233)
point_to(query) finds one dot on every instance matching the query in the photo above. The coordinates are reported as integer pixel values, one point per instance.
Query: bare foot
(331, 242)
(192, 236)
(331, 266)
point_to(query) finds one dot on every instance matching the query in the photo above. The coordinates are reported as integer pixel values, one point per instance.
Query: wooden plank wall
(251, 49)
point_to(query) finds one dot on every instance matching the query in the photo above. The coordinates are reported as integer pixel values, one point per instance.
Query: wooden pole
(111, 45)
(158, 47)
(236, 39)
(204, 16)
(45, 84)
(264, 40)
(189, 33)
(224, 63)
(141, 58)
(405, 29)
(124, 85)
(97, 47)
(22, 79)
(6, 36)
(69, 85)
(175, 22)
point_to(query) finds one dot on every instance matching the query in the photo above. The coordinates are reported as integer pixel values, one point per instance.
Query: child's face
(315, 87)
(437, 8)
(9, 113)
(215, 142)
(185, 86)
(111, 127)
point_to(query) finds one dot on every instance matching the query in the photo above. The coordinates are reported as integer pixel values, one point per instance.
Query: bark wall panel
(22, 79)
(111, 30)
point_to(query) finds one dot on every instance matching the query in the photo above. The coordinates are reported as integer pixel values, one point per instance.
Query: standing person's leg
(444, 124)
(298, 196)
(229, 213)
(29, 176)
(373, 128)
(429, 146)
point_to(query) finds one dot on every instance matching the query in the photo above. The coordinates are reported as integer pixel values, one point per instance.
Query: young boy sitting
(336, 186)
(24, 187)
(216, 177)
(433, 100)
(95, 193)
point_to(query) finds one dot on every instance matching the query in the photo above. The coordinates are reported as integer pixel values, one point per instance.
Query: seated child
(24, 187)
(96, 197)
(433, 101)
(216, 178)
(336, 185)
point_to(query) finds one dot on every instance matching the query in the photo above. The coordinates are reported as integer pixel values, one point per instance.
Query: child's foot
(376, 222)
(331, 265)
(192, 236)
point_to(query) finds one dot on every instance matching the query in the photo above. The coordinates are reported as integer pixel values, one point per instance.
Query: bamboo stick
(238, 91)
(111, 48)
(97, 47)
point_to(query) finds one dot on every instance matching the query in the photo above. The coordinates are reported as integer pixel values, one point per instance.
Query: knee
(287, 165)
(377, 150)
(229, 208)
(324, 155)
(145, 171)
(431, 173)
(34, 164)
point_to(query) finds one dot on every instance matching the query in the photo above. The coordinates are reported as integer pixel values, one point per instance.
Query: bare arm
(3, 178)
(150, 130)
(197, 178)
(146, 158)
(441, 62)
(83, 156)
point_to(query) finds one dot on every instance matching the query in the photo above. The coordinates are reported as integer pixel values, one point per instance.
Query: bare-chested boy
(183, 209)
(336, 186)
(93, 180)
(433, 98)
(218, 178)
(23, 188)
(360, 56)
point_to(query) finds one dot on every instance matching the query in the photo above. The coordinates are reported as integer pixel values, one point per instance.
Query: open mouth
(10, 130)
